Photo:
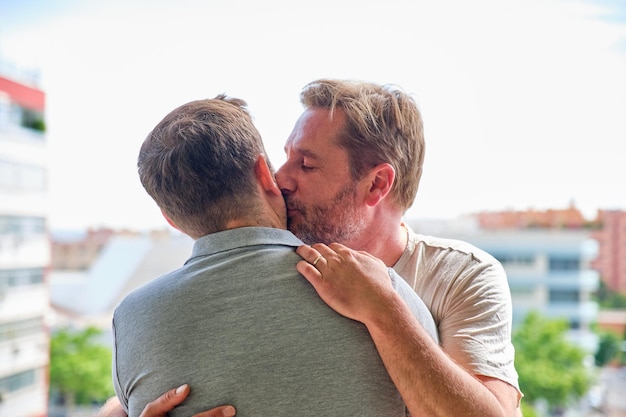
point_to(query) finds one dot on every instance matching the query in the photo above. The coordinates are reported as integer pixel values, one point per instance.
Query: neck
(386, 241)
(268, 212)
(255, 222)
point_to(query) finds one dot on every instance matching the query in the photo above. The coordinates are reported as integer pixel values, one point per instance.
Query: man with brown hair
(236, 321)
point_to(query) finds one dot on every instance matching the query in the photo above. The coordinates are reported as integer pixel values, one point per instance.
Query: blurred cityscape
(556, 261)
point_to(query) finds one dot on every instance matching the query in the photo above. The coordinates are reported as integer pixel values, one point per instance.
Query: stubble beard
(337, 221)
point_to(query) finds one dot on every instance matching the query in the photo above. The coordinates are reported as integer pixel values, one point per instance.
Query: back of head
(198, 164)
(383, 125)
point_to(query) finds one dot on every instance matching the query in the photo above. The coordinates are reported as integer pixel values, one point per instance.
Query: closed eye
(306, 165)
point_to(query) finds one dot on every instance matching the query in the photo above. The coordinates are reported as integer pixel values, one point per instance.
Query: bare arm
(160, 406)
(112, 408)
(357, 286)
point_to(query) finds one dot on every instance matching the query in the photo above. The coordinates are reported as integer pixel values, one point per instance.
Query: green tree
(80, 367)
(609, 299)
(550, 367)
(528, 410)
(608, 348)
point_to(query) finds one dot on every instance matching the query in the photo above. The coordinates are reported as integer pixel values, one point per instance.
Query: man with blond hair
(236, 321)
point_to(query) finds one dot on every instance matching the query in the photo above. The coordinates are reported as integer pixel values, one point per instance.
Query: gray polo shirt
(242, 327)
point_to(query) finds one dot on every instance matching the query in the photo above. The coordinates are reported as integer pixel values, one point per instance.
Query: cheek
(307, 188)
(318, 193)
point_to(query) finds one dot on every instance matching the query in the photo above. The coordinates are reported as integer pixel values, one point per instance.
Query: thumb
(166, 402)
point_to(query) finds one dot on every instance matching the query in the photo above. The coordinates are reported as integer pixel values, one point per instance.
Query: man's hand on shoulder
(353, 283)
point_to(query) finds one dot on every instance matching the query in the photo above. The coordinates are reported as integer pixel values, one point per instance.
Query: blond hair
(383, 125)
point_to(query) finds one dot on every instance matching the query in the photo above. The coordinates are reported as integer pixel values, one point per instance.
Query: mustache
(293, 204)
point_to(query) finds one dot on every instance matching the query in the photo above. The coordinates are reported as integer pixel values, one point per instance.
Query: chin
(293, 222)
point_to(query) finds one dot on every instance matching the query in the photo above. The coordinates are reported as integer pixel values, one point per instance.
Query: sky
(524, 102)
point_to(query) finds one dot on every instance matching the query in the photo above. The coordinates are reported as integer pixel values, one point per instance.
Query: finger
(328, 253)
(223, 411)
(166, 402)
(311, 273)
(337, 247)
(310, 253)
(344, 251)
(311, 257)
(325, 250)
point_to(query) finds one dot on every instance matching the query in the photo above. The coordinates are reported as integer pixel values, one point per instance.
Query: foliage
(80, 367)
(528, 410)
(608, 348)
(609, 299)
(38, 125)
(549, 366)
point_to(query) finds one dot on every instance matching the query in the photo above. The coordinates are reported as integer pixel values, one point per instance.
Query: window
(20, 178)
(514, 259)
(21, 277)
(564, 296)
(22, 328)
(33, 120)
(22, 226)
(564, 263)
(17, 381)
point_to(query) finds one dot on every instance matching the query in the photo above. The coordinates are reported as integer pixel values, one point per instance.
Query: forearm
(112, 408)
(430, 383)
(357, 286)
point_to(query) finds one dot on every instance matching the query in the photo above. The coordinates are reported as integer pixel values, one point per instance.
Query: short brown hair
(198, 164)
(383, 124)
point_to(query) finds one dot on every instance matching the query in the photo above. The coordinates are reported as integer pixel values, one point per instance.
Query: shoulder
(146, 295)
(446, 263)
(453, 249)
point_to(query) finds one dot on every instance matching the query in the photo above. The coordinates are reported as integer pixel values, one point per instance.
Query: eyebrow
(304, 152)
(309, 154)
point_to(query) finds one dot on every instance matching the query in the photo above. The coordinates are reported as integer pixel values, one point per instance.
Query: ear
(266, 176)
(170, 221)
(380, 179)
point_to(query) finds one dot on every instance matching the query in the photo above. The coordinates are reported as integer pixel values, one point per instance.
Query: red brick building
(569, 218)
(77, 251)
(611, 260)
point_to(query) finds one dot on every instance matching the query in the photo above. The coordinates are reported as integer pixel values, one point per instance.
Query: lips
(293, 209)
(292, 212)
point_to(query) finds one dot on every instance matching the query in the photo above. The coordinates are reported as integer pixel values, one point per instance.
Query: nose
(285, 181)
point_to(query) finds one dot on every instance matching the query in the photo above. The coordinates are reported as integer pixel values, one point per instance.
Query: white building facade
(24, 247)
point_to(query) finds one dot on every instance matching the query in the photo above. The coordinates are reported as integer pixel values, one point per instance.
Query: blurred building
(549, 271)
(77, 251)
(24, 246)
(567, 218)
(613, 321)
(86, 294)
(609, 229)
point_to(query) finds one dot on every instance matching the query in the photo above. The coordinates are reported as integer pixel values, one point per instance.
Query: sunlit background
(524, 101)
(524, 104)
